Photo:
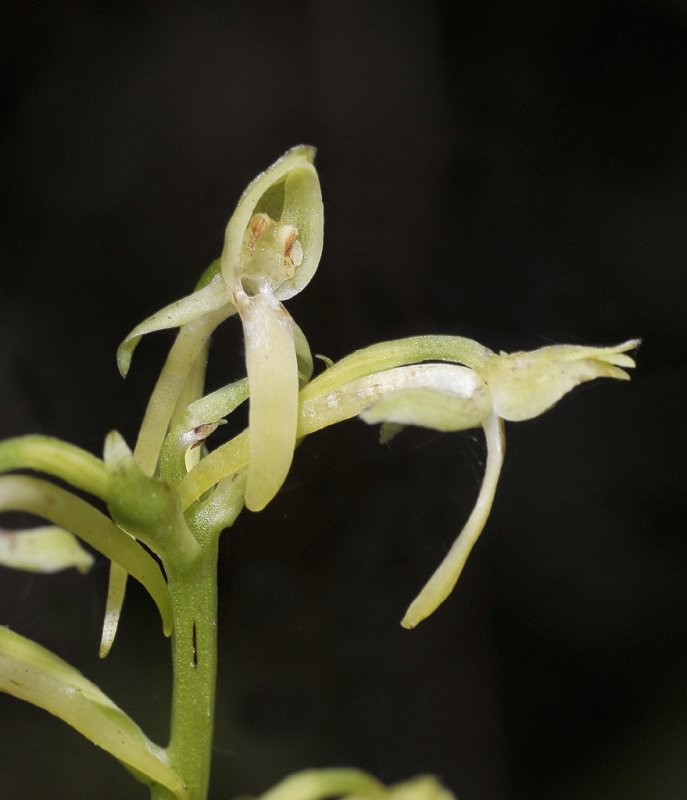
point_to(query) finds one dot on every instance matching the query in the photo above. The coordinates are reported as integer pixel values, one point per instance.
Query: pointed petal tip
(125, 352)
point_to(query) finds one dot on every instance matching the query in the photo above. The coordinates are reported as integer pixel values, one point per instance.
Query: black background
(513, 172)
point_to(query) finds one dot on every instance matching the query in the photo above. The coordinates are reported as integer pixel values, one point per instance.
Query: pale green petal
(210, 298)
(303, 355)
(396, 353)
(353, 784)
(318, 784)
(116, 589)
(34, 674)
(35, 496)
(424, 787)
(273, 380)
(357, 396)
(524, 385)
(429, 408)
(289, 192)
(221, 463)
(46, 549)
(441, 584)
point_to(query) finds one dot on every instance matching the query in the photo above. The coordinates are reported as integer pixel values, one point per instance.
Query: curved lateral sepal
(441, 584)
(211, 297)
(32, 673)
(60, 459)
(36, 496)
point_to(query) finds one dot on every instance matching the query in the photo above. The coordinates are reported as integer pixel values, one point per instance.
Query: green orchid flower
(483, 389)
(513, 387)
(272, 248)
(401, 383)
(273, 245)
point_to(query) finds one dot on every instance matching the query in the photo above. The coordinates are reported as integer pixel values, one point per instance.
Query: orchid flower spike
(272, 248)
(448, 397)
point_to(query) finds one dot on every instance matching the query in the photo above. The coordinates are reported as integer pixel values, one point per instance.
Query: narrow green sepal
(116, 591)
(446, 575)
(60, 459)
(36, 496)
(31, 673)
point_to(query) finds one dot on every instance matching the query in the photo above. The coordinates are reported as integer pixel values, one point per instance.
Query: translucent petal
(429, 408)
(441, 584)
(273, 380)
(34, 674)
(46, 549)
(303, 355)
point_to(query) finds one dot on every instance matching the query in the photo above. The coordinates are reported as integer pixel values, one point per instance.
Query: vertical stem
(194, 660)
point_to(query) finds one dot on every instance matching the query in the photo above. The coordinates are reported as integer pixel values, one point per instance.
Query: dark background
(513, 172)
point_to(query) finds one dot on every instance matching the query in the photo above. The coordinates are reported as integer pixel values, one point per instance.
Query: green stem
(194, 659)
